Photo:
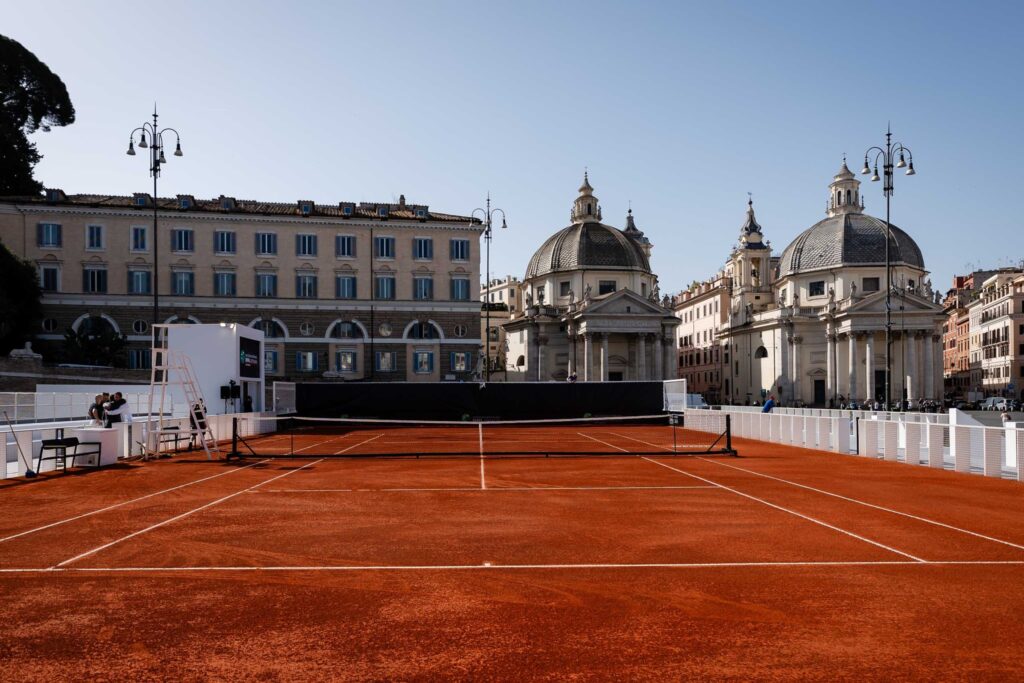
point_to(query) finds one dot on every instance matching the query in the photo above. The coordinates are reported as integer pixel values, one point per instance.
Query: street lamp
(888, 154)
(156, 160)
(488, 215)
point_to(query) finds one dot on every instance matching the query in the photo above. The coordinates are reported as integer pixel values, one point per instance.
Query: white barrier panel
(869, 440)
(798, 430)
(960, 445)
(1019, 443)
(936, 457)
(822, 433)
(913, 443)
(841, 434)
(993, 452)
(890, 443)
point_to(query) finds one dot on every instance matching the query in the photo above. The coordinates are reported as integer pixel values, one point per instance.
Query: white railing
(908, 416)
(32, 407)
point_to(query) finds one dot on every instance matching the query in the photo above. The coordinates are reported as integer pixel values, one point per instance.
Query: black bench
(57, 449)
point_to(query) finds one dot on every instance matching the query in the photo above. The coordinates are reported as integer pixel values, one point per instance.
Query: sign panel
(249, 358)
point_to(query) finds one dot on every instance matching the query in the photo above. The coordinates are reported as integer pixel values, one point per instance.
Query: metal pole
(487, 302)
(887, 165)
(156, 242)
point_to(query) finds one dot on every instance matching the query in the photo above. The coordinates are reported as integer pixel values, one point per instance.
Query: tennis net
(666, 434)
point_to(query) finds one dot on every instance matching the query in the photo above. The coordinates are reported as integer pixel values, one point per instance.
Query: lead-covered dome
(848, 239)
(588, 246)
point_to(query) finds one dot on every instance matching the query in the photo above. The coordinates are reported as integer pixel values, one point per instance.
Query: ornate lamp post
(488, 215)
(900, 154)
(156, 160)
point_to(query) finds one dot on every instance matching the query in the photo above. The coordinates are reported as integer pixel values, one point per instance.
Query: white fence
(914, 438)
(29, 407)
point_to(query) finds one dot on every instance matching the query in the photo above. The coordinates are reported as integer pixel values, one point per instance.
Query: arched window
(848, 195)
(761, 352)
(521, 361)
(346, 330)
(423, 330)
(271, 328)
(590, 209)
(95, 326)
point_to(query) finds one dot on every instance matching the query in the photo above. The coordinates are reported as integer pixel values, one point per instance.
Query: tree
(94, 345)
(31, 98)
(20, 300)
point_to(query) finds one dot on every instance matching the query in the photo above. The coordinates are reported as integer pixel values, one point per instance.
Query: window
(307, 361)
(423, 330)
(266, 244)
(270, 360)
(182, 239)
(94, 280)
(266, 284)
(460, 250)
(347, 211)
(49, 324)
(94, 237)
(345, 361)
(422, 248)
(816, 288)
(305, 286)
(224, 242)
(139, 359)
(460, 331)
(346, 330)
(345, 287)
(183, 283)
(305, 245)
(384, 287)
(563, 288)
(423, 362)
(540, 294)
(306, 208)
(384, 247)
(184, 203)
(270, 328)
(49, 278)
(606, 286)
(140, 282)
(385, 361)
(870, 284)
(345, 246)
(423, 288)
(141, 201)
(139, 238)
(492, 334)
(460, 289)
(461, 361)
(48, 235)
(224, 284)
(140, 326)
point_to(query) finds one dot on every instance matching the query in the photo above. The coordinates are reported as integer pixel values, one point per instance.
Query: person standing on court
(768, 405)
(96, 411)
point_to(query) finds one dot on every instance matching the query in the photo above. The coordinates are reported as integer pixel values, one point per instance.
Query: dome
(588, 246)
(848, 239)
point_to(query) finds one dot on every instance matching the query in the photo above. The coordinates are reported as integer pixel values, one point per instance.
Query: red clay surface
(782, 564)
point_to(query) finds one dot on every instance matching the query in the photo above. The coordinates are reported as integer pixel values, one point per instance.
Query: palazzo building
(344, 291)
(591, 306)
(809, 326)
(997, 335)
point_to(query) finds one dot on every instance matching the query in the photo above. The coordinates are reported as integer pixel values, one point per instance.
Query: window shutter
(451, 361)
(39, 234)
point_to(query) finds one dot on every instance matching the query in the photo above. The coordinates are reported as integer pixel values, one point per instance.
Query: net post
(728, 434)
(234, 441)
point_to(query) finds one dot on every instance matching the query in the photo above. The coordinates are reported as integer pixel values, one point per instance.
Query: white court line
(792, 512)
(604, 442)
(127, 502)
(492, 566)
(320, 443)
(854, 500)
(181, 516)
(346, 450)
(472, 489)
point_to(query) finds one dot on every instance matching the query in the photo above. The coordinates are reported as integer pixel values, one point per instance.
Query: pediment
(624, 302)
(875, 303)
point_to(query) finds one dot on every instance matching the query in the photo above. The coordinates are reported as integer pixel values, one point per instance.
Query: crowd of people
(108, 409)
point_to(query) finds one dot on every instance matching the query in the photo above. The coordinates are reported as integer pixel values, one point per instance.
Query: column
(797, 380)
(671, 361)
(785, 396)
(658, 358)
(940, 387)
(588, 358)
(911, 369)
(641, 357)
(928, 371)
(869, 367)
(541, 344)
(604, 357)
(830, 358)
(853, 366)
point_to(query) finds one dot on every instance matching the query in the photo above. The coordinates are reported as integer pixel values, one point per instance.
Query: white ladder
(175, 368)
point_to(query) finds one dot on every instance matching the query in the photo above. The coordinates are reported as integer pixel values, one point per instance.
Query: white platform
(110, 439)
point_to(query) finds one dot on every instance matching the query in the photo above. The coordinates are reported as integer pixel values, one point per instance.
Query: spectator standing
(768, 405)
(1005, 415)
(119, 410)
(95, 411)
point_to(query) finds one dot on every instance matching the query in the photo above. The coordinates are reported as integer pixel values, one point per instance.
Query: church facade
(592, 310)
(809, 326)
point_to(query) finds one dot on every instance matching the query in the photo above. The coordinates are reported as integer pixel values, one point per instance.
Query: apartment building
(381, 291)
(997, 335)
(503, 296)
(703, 310)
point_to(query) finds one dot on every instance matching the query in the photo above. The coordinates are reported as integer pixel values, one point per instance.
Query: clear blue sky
(682, 108)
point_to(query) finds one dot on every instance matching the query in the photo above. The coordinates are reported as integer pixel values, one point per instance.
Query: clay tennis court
(782, 563)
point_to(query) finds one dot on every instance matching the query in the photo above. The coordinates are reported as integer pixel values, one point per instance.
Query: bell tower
(586, 208)
(844, 193)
